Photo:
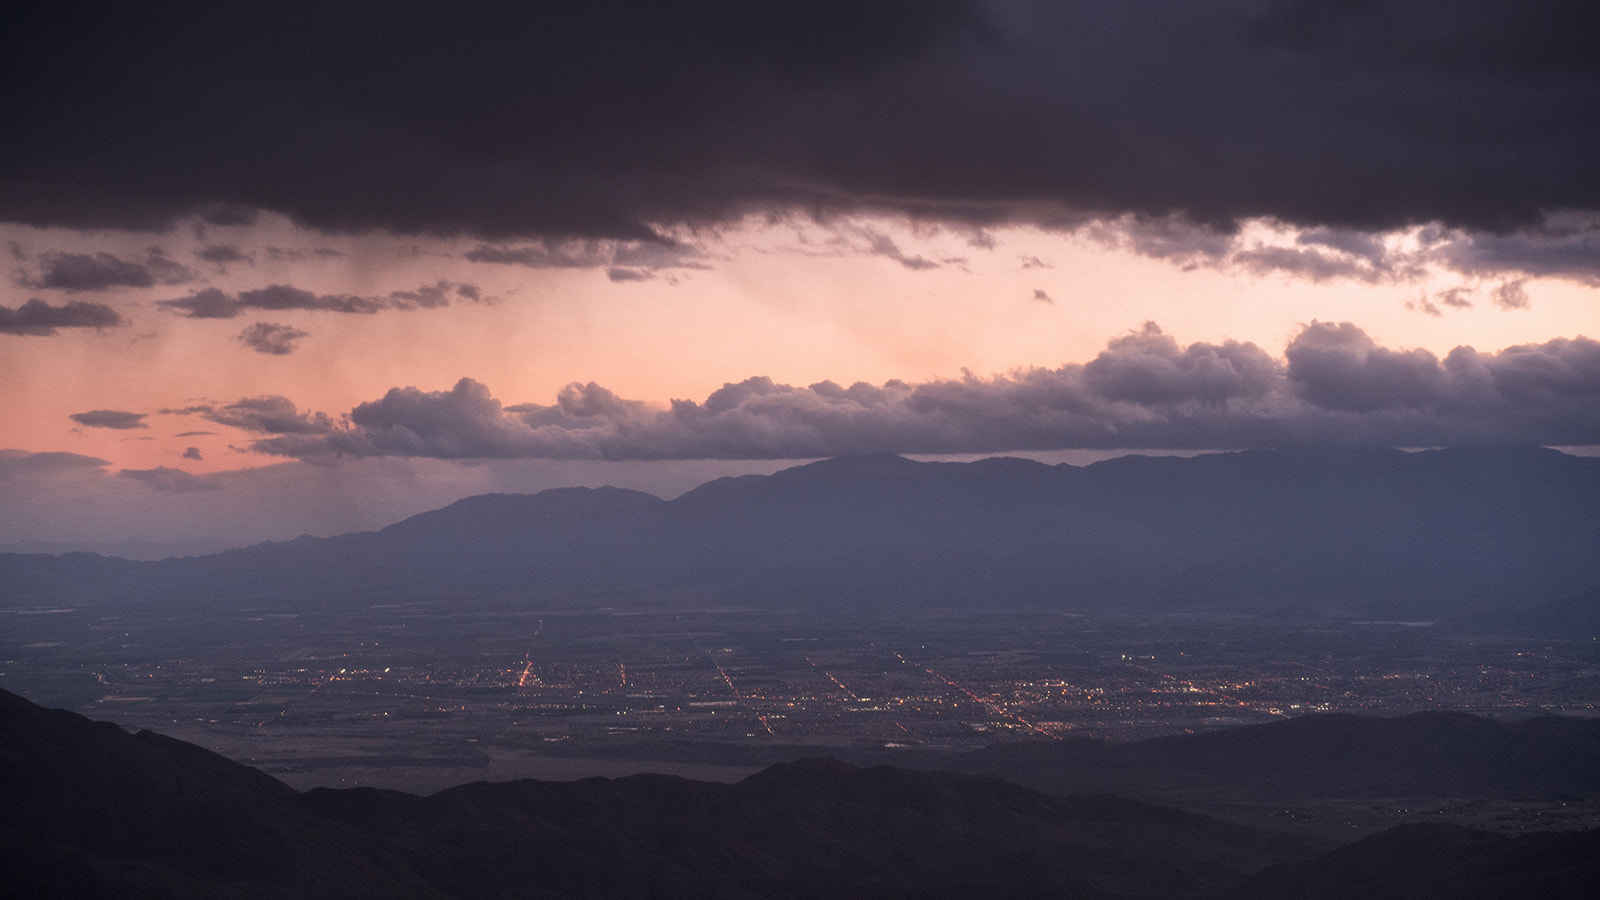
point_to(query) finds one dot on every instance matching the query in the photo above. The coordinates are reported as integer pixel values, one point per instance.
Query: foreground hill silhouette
(92, 811)
(1437, 754)
(1377, 532)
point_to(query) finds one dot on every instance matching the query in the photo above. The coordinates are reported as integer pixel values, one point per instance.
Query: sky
(285, 268)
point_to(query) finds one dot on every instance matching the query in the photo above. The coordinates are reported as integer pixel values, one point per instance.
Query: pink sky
(861, 299)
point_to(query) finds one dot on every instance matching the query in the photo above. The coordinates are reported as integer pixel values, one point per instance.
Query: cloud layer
(1333, 386)
(214, 303)
(574, 118)
(110, 418)
(74, 272)
(271, 338)
(39, 319)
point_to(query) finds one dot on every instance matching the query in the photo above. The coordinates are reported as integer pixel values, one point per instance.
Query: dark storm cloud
(572, 118)
(73, 272)
(40, 319)
(110, 418)
(1334, 386)
(1572, 251)
(213, 303)
(268, 337)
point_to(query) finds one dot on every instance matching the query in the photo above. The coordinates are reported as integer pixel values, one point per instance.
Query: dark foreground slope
(1334, 777)
(1428, 754)
(1440, 862)
(1390, 533)
(91, 811)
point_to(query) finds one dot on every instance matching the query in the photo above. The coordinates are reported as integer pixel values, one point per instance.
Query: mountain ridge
(1387, 532)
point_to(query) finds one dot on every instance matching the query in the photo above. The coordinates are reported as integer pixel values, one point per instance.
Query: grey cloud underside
(74, 272)
(110, 418)
(222, 254)
(1335, 386)
(39, 319)
(574, 118)
(262, 415)
(214, 303)
(270, 338)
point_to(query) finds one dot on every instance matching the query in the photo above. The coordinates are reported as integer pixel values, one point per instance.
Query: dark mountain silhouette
(1387, 532)
(91, 811)
(88, 810)
(1326, 777)
(1440, 862)
(1437, 754)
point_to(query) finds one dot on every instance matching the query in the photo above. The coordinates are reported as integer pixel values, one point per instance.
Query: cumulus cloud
(72, 272)
(192, 453)
(214, 303)
(1334, 385)
(110, 418)
(267, 337)
(1148, 367)
(40, 319)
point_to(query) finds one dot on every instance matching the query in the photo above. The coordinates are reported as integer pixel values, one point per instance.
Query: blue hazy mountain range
(1368, 532)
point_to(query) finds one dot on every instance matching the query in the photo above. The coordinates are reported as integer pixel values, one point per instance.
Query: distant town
(418, 695)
